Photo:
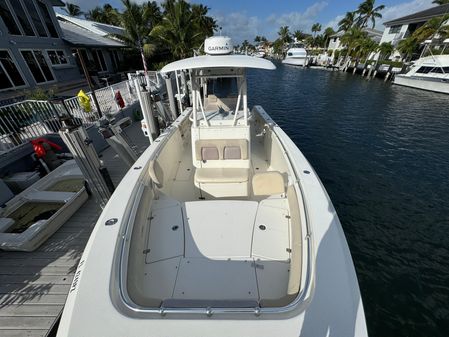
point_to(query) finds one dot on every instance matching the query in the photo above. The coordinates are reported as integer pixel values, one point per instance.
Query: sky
(244, 19)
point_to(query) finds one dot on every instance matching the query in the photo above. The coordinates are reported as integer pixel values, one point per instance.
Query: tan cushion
(232, 152)
(268, 183)
(221, 144)
(156, 173)
(221, 175)
(209, 153)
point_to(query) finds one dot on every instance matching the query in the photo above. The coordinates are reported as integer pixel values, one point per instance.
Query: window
(394, 29)
(57, 57)
(38, 66)
(8, 19)
(99, 60)
(47, 19)
(34, 15)
(290, 54)
(10, 76)
(114, 59)
(22, 17)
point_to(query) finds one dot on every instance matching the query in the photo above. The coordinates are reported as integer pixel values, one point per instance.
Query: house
(39, 48)
(401, 28)
(101, 52)
(335, 40)
(32, 50)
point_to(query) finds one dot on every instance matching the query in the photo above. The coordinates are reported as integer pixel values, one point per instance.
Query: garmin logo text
(217, 48)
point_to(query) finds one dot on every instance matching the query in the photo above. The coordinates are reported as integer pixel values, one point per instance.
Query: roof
(95, 27)
(78, 36)
(57, 3)
(219, 61)
(419, 16)
(370, 31)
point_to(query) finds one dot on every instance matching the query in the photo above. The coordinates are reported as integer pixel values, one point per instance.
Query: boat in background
(429, 73)
(221, 228)
(296, 55)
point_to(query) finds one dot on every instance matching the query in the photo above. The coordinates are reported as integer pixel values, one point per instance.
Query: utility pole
(89, 81)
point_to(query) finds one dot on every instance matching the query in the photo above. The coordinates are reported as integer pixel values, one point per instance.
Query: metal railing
(20, 122)
(139, 75)
(107, 100)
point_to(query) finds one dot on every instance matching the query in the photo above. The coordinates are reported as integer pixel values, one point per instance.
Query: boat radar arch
(218, 45)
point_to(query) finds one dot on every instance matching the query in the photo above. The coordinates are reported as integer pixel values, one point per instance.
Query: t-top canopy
(219, 61)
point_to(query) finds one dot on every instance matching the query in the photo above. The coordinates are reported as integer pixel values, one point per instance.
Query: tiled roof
(420, 16)
(78, 36)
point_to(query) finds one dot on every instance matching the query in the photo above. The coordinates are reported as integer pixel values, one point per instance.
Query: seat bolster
(221, 175)
(156, 173)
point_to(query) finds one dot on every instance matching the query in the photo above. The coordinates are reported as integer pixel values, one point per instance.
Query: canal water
(382, 153)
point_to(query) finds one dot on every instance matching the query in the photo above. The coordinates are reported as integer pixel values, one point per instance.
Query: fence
(20, 122)
(106, 100)
(153, 78)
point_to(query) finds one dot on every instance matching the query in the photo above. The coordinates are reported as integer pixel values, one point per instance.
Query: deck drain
(262, 227)
(174, 228)
(137, 167)
(111, 222)
(306, 172)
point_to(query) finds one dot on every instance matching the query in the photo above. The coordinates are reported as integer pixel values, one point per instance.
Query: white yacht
(221, 228)
(296, 55)
(427, 73)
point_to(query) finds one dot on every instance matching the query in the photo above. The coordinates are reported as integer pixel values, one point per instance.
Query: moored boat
(429, 73)
(221, 227)
(296, 55)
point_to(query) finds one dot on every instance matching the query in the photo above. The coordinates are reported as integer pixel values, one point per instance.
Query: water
(382, 152)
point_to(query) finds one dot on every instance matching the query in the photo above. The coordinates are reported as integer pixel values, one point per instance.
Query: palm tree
(106, 14)
(407, 47)
(299, 35)
(385, 49)
(352, 39)
(72, 9)
(206, 24)
(316, 27)
(440, 2)
(284, 35)
(328, 32)
(257, 39)
(180, 29)
(137, 22)
(347, 22)
(367, 11)
(435, 26)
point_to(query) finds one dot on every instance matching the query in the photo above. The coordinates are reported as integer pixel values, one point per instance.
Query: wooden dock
(34, 286)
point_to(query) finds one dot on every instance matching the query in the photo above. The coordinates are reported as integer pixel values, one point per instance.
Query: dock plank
(50, 310)
(34, 285)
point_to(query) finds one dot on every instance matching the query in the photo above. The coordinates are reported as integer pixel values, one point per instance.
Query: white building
(400, 28)
(335, 40)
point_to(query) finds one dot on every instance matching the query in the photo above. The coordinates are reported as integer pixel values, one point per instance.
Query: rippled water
(382, 152)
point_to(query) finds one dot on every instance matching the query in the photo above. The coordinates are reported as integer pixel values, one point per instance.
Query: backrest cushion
(232, 152)
(209, 153)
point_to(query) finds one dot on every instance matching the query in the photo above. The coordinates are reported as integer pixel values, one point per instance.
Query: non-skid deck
(217, 250)
(34, 286)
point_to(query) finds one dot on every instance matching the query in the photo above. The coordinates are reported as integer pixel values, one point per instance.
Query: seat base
(223, 182)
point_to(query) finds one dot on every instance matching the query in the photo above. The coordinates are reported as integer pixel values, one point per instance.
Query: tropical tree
(368, 11)
(183, 27)
(299, 35)
(205, 24)
(138, 21)
(72, 9)
(316, 27)
(408, 47)
(434, 26)
(385, 49)
(347, 22)
(440, 2)
(352, 39)
(284, 35)
(328, 32)
(257, 39)
(106, 14)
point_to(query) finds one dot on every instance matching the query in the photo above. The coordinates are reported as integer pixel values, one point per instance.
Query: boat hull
(435, 85)
(302, 62)
(333, 305)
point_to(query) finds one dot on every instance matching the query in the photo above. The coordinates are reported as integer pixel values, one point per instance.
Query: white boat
(31, 217)
(221, 228)
(296, 55)
(427, 73)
